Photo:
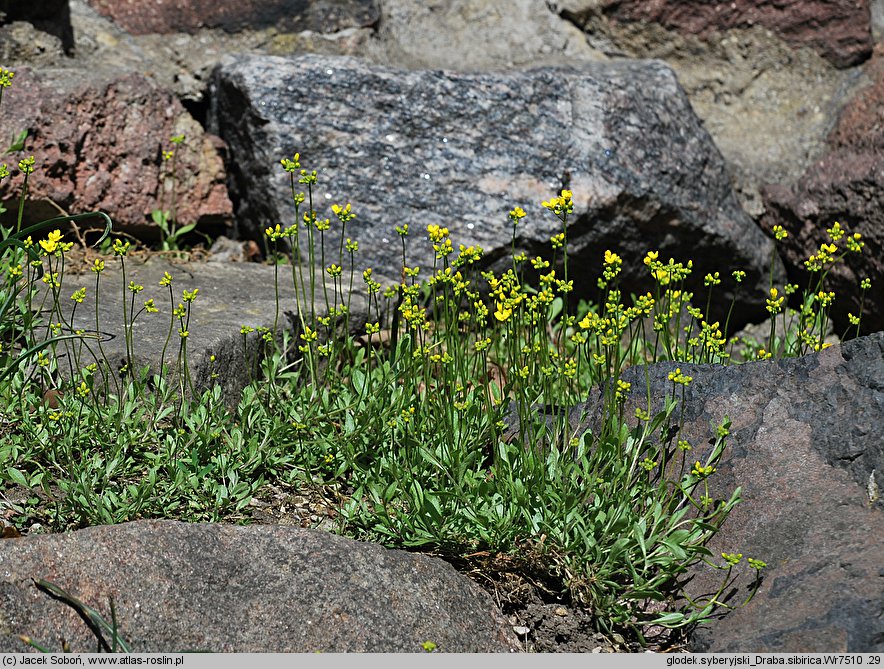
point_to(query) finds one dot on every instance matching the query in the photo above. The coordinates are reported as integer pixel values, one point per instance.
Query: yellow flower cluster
(437, 233)
(701, 471)
(612, 265)
(561, 206)
(51, 242)
(344, 214)
(517, 214)
(775, 303)
(291, 166)
(121, 248)
(678, 378)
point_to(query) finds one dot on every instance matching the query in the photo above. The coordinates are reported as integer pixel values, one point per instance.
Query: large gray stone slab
(218, 588)
(230, 296)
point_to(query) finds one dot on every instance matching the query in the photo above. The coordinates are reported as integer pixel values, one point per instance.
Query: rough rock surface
(200, 587)
(839, 30)
(768, 106)
(182, 62)
(878, 20)
(48, 16)
(458, 36)
(172, 16)
(21, 42)
(98, 137)
(804, 444)
(460, 150)
(847, 185)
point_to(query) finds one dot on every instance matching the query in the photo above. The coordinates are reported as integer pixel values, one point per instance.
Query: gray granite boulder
(461, 150)
(805, 446)
(214, 588)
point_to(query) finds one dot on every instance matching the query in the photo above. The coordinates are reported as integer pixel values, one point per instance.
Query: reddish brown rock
(847, 185)
(839, 30)
(171, 16)
(861, 124)
(98, 140)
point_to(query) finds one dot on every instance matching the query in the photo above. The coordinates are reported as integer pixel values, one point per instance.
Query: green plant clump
(421, 423)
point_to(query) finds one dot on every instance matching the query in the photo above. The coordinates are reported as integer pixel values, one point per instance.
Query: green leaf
(160, 217)
(668, 619)
(18, 142)
(183, 230)
(16, 476)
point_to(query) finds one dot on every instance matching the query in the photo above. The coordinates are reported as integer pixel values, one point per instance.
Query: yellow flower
(662, 276)
(560, 205)
(436, 233)
(27, 165)
(51, 280)
(502, 313)
(51, 242)
(775, 303)
(612, 258)
(344, 213)
(309, 335)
